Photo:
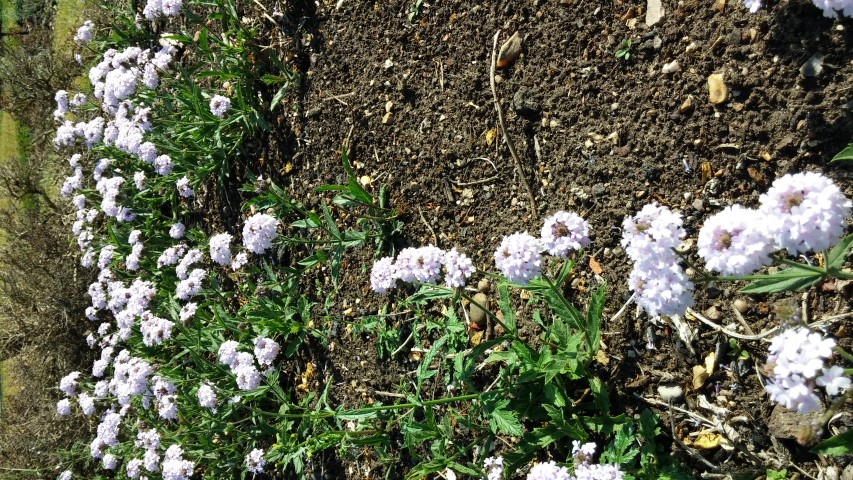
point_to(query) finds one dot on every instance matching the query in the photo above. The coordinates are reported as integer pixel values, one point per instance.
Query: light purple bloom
(834, 381)
(653, 231)
(255, 461)
(219, 105)
(187, 312)
(419, 264)
(184, 188)
(207, 397)
(109, 461)
(63, 407)
(177, 230)
(228, 353)
(259, 232)
(383, 275)
(734, 241)
(564, 232)
(518, 258)
(220, 248)
(661, 288)
(239, 260)
(66, 475)
(266, 350)
(805, 211)
(548, 471)
(796, 356)
(494, 467)
(457, 268)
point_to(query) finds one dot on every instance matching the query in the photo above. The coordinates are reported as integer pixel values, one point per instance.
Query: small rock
(720, 5)
(640, 194)
(654, 12)
(684, 246)
(388, 106)
(671, 67)
(314, 112)
(524, 102)
(388, 64)
(713, 313)
(477, 314)
(670, 393)
(734, 37)
(741, 305)
(712, 290)
(686, 105)
(786, 424)
(717, 90)
(813, 66)
(698, 205)
(598, 190)
(772, 270)
(608, 253)
(483, 285)
(688, 195)
(618, 251)
(387, 118)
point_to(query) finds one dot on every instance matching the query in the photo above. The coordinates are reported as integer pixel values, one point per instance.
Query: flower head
(519, 257)
(805, 211)
(259, 232)
(255, 461)
(653, 231)
(548, 471)
(219, 105)
(564, 232)
(796, 356)
(383, 275)
(422, 264)
(734, 242)
(220, 251)
(457, 268)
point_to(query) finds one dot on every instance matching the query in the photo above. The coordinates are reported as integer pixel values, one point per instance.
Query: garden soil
(596, 133)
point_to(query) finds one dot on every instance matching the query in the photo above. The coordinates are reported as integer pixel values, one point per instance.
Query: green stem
(843, 275)
(843, 353)
(377, 408)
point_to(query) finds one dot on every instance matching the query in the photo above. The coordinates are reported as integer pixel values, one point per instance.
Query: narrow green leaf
(431, 292)
(840, 444)
(277, 97)
(844, 155)
(506, 309)
(790, 279)
(593, 319)
(835, 257)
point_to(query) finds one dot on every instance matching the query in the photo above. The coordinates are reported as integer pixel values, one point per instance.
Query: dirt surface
(594, 133)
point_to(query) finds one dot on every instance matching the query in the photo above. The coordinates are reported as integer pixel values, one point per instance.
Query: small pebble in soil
(711, 290)
(698, 205)
(483, 285)
(741, 305)
(713, 313)
(670, 393)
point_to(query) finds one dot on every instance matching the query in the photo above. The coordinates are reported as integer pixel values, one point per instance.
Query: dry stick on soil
(509, 144)
(729, 332)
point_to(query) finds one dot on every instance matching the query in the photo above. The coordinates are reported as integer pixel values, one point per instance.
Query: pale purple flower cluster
(65, 475)
(519, 257)
(63, 407)
(190, 286)
(259, 232)
(584, 469)
(548, 471)
(796, 357)
(174, 466)
(68, 384)
(187, 312)
(423, 264)
(183, 186)
(494, 468)
(564, 232)
(805, 211)
(84, 33)
(220, 251)
(255, 461)
(161, 8)
(242, 365)
(207, 397)
(107, 434)
(155, 330)
(660, 285)
(266, 349)
(735, 242)
(177, 230)
(830, 8)
(171, 255)
(219, 105)
(239, 261)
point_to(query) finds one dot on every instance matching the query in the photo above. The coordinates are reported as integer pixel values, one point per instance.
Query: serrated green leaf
(621, 450)
(841, 444)
(431, 292)
(505, 306)
(504, 420)
(844, 155)
(593, 319)
(600, 393)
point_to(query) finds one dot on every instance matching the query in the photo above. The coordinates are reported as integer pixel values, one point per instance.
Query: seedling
(624, 50)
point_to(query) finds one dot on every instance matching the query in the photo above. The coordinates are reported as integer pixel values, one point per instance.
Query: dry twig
(518, 167)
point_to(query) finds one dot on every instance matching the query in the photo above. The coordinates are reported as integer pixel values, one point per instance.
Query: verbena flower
(184, 189)
(734, 241)
(239, 260)
(109, 461)
(228, 353)
(457, 268)
(174, 466)
(422, 264)
(65, 475)
(187, 312)
(494, 467)
(548, 471)
(653, 231)
(133, 468)
(255, 461)
(518, 258)
(187, 288)
(68, 384)
(63, 407)
(805, 211)
(598, 472)
(177, 230)
(220, 251)
(583, 453)
(207, 397)
(87, 403)
(796, 356)
(219, 105)
(383, 275)
(259, 232)
(248, 377)
(564, 232)
(266, 350)
(661, 288)
(834, 381)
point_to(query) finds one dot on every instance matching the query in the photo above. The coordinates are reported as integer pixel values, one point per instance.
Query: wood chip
(509, 51)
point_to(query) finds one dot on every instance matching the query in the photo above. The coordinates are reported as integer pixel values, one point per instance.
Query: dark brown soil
(595, 134)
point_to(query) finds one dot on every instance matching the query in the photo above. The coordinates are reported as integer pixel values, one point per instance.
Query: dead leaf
(710, 362)
(601, 358)
(595, 266)
(717, 89)
(509, 51)
(707, 440)
(490, 136)
(307, 375)
(755, 175)
(475, 337)
(700, 376)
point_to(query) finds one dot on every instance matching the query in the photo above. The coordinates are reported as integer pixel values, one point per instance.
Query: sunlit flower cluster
(422, 264)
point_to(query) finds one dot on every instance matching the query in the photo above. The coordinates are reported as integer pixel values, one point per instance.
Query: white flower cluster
(174, 466)
(84, 33)
(207, 397)
(423, 264)
(796, 358)
(519, 257)
(242, 364)
(830, 8)
(161, 8)
(658, 282)
(219, 105)
(259, 231)
(255, 461)
(583, 468)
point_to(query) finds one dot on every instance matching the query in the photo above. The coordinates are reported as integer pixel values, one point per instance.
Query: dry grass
(8, 137)
(68, 17)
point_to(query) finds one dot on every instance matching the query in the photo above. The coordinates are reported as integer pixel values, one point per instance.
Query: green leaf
(835, 257)
(776, 474)
(593, 319)
(278, 96)
(505, 420)
(844, 155)
(599, 391)
(840, 444)
(621, 450)
(431, 292)
(506, 309)
(790, 279)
